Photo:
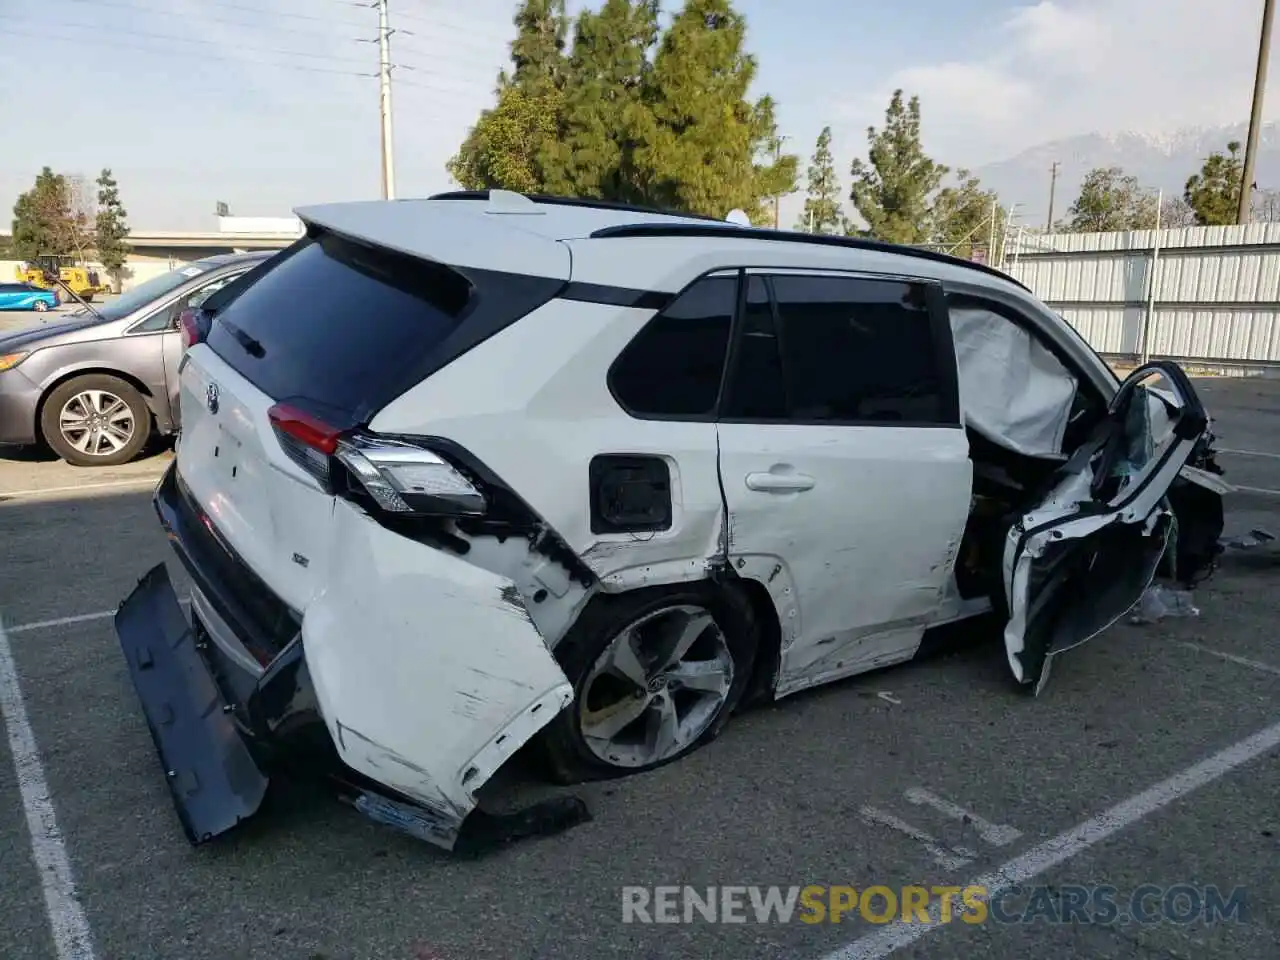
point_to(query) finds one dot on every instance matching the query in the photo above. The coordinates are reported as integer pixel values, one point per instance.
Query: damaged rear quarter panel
(428, 670)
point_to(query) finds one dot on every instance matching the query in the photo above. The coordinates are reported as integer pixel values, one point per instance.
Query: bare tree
(1266, 206)
(1176, 212)
(82, 209)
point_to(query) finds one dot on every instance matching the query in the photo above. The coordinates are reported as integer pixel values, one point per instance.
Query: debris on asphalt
(1254, 538)
(888, 697)
(1159, 602)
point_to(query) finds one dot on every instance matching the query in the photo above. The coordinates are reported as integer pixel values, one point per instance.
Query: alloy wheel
(97, 423)
(657, 687)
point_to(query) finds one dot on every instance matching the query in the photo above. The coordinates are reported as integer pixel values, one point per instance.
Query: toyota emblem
(211, 397)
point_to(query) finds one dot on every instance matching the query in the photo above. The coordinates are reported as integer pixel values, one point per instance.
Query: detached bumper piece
(216, 764)
(215, 781)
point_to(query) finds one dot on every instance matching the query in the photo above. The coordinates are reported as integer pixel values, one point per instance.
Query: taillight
(308, 441)
(192, 329)
(409, 480)
(396, 478)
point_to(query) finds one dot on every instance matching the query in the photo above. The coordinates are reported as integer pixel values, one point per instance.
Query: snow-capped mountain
(1158, 160)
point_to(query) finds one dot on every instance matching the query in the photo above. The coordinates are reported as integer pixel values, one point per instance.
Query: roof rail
(794, 236)
(573, 202)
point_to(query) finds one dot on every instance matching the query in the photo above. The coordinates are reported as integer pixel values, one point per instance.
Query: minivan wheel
(656, 674)
(95, 421)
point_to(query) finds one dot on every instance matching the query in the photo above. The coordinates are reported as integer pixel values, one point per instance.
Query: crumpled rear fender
(428, 670)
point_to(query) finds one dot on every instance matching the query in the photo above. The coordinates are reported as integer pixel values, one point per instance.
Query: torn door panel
(428, 670)
(1084, 554)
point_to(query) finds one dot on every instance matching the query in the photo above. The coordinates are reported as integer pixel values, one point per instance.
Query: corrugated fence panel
(1239, 335)
(1217, 290)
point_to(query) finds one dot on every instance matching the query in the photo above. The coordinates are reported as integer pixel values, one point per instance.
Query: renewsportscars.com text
(1062, 903)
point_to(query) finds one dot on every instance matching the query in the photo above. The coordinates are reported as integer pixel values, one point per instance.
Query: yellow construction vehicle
(47, 273)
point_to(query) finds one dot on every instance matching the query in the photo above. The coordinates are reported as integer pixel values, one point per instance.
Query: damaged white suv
(461, 474)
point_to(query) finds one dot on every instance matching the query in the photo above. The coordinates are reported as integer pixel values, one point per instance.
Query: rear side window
(859, 351)
(674, 365)
(345, 328)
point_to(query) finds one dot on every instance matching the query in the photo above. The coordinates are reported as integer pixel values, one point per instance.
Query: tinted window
(167, 319)
(12, 287)
(757, 389)
(674, 365)
(345, 328)
(138, 297)
(858, 350)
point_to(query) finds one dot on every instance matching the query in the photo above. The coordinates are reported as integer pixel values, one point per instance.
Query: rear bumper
(214, 777)
(223, 729)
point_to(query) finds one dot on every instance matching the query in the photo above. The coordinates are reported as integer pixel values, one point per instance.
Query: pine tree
(893, 192)
(511, 144)
(822, 212)
(703, 147)
(1214, 193)
(42, 219)
(111, 227)
(608, 70)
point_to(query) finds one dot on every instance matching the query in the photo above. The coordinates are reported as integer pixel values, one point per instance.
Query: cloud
(1057, 68)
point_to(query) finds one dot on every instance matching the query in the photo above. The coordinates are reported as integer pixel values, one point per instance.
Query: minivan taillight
(192, 328)
(308, 441)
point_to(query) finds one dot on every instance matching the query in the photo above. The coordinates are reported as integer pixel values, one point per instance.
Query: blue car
(26, 296)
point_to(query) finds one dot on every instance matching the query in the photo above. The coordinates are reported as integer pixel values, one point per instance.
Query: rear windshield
(343, 328)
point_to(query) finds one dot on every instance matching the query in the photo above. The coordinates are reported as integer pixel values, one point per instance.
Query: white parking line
(1047, 855)
(61, 621)
(1243, 661)
(1266, 491)
(72, 939)
(66, 621)
(142, 481)
(1249, 453)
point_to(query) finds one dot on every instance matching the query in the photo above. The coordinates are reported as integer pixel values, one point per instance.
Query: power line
(49, 38)
(259, 11)
(171, 36)
(155, 11)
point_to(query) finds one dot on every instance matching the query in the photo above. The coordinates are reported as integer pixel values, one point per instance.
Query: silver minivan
(96, 384)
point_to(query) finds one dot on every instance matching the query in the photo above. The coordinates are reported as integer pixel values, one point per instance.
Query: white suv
(464, 473)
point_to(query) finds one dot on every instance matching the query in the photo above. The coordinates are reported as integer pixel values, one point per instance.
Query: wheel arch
(764, 672)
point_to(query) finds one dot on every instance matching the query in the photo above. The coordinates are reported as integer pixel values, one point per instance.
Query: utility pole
(1255, 116)
(991, 243)
(777, 197)
(384, 102)
(1053, 183)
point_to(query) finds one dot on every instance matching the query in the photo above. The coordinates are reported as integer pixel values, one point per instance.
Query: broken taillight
(393, 476)
(407, 479)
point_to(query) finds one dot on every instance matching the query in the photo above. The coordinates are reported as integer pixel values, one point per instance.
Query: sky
(267, 105)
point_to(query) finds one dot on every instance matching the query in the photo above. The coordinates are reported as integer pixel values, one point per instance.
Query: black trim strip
(676, 229)
(616, 296)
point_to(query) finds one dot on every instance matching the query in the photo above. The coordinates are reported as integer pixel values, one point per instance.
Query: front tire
(656, 672)
(96, 421)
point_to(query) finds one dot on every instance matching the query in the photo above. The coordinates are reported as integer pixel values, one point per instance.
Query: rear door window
(345, 328)
(864, 351)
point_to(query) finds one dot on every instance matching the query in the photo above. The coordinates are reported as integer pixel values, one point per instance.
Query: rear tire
(96, 421)
(40, 306)
(676, 707)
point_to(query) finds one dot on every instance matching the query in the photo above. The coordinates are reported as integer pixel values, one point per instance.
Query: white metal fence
(1199, 294)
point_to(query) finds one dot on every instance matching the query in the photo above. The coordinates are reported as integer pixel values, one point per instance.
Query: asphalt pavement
(1150, 764)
